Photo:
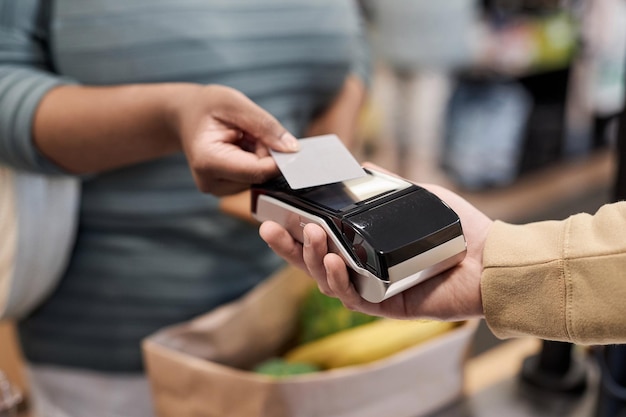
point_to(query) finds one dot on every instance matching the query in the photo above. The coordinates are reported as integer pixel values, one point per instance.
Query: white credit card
(320, 160)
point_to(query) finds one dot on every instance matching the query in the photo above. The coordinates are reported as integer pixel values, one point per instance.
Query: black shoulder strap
(44, 32)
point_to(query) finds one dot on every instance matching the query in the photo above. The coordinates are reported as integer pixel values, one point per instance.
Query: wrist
(177, 102)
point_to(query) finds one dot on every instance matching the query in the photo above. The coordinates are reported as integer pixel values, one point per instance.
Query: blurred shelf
(553, 192)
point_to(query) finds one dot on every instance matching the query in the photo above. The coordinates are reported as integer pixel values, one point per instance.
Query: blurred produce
(367, 342)
(529, 44)
(321, 316)
(279, 367)
(331, 336)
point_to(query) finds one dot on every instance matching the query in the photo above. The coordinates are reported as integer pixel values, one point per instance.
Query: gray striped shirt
(151, 250)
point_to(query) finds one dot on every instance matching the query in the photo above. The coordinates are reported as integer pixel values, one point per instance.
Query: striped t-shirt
(151, 250)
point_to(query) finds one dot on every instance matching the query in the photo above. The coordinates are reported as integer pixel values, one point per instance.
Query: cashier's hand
(226, 138)
(452, 295)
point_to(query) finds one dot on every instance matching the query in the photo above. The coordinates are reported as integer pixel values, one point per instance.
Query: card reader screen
(344, 194)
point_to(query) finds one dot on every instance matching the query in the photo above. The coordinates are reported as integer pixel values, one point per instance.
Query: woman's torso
(151, 250)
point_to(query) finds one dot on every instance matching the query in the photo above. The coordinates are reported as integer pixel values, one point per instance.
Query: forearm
(341, 117)
(225, 136)
(558, 280)
(349, 103)
(91, 129)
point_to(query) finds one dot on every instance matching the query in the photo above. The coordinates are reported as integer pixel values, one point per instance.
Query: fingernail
(290, 142)
(306, 239)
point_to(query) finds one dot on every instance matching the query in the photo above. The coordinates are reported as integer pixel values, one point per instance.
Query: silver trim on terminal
(369, 286)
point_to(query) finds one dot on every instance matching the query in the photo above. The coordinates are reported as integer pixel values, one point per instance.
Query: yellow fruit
(367, 343)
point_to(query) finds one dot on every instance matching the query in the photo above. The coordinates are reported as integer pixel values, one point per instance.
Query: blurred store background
(512, 103)
(483, 95)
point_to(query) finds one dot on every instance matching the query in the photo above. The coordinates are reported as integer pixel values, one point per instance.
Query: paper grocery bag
(244, 332)
(201, 368)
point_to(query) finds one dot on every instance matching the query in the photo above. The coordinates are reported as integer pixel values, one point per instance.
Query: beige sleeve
(558, 280)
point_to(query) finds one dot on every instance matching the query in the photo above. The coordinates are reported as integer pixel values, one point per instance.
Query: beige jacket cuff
(558, 280)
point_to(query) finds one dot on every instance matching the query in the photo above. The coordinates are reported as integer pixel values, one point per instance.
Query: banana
(367, 342)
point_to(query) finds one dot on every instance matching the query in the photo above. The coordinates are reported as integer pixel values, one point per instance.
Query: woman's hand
(226, 138)
(451, 295)
(224, 135)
